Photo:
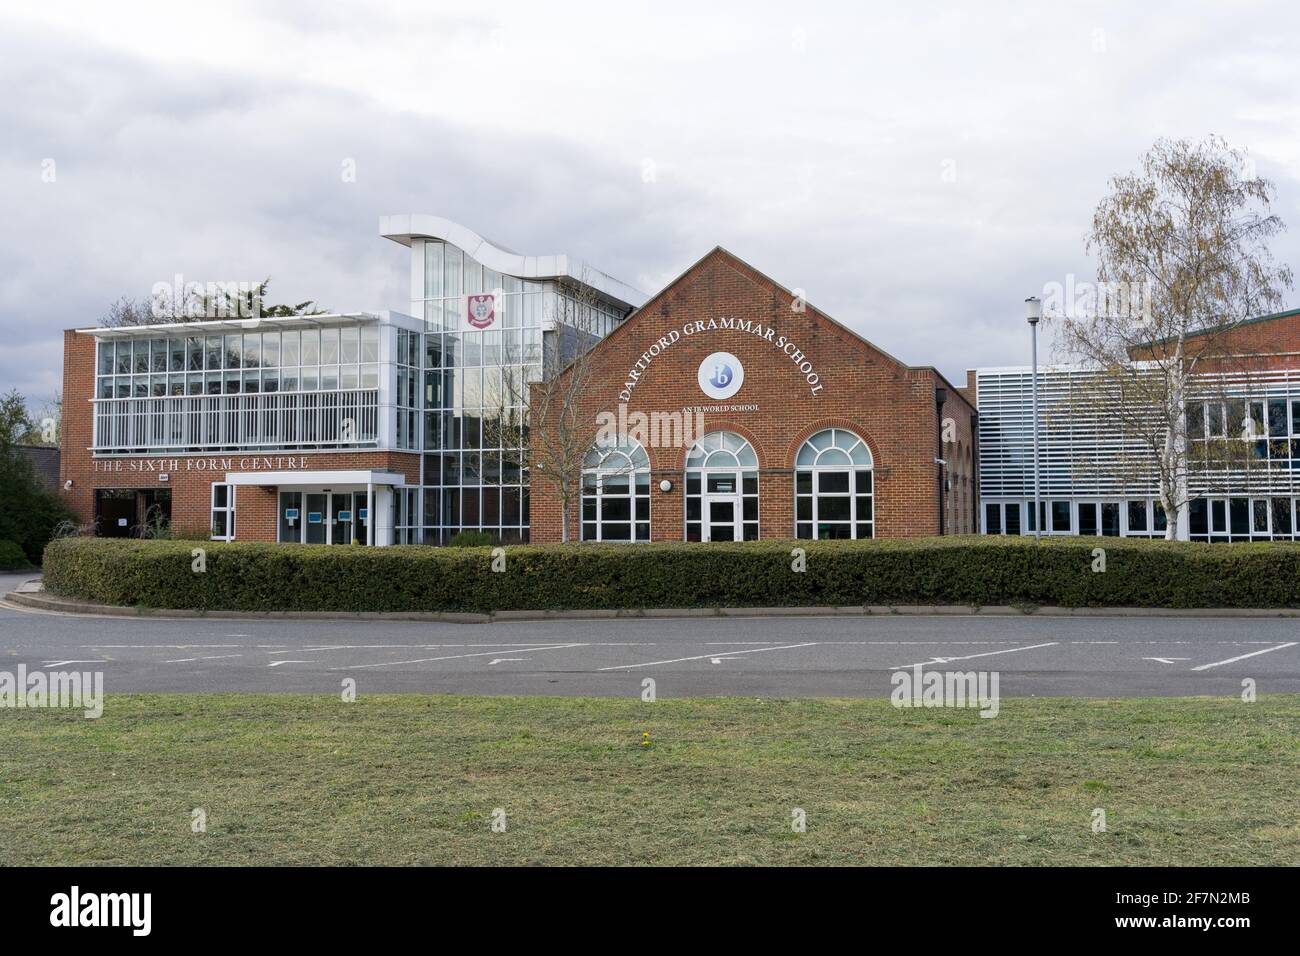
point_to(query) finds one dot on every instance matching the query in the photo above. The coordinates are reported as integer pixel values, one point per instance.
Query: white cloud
(918, 172)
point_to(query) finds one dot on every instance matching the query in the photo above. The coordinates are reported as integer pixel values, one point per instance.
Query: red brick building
(727, 408)
(223, 428)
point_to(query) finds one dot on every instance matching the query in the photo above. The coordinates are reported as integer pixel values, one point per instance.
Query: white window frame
(596, 470)
(699, 464)
(815, 471)
(228, 510)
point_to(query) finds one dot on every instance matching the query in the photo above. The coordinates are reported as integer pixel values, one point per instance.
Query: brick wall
(190, 476)
(889, 404)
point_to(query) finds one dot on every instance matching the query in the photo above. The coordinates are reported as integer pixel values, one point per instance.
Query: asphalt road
(776, 656)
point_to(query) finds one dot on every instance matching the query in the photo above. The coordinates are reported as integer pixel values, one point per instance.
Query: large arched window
(832, 487)
(721, 489)
(616, 493)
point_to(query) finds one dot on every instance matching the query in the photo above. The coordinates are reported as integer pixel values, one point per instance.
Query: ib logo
(721, 375)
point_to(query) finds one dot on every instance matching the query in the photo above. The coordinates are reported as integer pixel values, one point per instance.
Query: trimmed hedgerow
(974, 571)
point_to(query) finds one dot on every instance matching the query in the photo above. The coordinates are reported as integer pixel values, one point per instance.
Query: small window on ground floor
(223, 512)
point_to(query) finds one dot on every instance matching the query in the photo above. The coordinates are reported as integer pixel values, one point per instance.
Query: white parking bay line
(1242, 657)
(700, 657)
(945, 660)
(452, 657)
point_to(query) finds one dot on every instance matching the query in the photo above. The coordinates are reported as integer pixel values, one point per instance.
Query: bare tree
(1183, 261)
(561, 422)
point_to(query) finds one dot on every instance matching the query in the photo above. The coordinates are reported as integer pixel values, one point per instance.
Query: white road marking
(438, 647)
(1242, 657)
(1166, 660)
(167, 647)
(946, 660)
(278, 663)
(700, 657)
(450, 657)
(498, 660)
(61, 663)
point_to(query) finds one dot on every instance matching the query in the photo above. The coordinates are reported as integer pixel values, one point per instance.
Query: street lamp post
(1033, 313)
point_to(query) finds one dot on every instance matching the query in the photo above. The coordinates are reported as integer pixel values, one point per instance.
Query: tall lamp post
(1033, 313)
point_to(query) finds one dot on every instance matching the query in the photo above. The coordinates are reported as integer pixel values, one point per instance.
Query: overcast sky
(917, 169)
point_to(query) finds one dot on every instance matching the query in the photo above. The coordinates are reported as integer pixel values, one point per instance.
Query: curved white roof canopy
(404, 228)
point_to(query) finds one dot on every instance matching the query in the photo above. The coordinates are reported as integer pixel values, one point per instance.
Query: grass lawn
(414, 779)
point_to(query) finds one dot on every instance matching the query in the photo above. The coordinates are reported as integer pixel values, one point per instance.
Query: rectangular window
(1281, 517)
(223, 512)
(1137, 516)
(1013, 518)
(992, 519)
(1239, 516)
(1061, 516)
(1087, 518)
(1110, 519)
(1259, 516)
(1215, 427)
(1277, 418)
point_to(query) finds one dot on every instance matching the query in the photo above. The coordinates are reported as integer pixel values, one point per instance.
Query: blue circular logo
(721, 375)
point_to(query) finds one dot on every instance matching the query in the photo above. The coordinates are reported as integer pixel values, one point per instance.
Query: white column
(370, 512)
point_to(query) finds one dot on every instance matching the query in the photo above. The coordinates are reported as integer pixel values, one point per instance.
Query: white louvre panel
(1082, 452)
(334, 419)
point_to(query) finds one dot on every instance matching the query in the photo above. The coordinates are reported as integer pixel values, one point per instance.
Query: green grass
(414, 779)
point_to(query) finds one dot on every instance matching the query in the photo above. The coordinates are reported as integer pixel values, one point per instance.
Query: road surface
(772, 657)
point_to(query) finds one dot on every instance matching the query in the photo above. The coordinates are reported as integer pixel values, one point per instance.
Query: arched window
(832, 487)
(616, 493)
(721, 489)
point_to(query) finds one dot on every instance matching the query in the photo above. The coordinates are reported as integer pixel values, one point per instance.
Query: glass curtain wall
(476, 375)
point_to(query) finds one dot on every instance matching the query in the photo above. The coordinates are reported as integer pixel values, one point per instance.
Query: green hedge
(976, 571)
(12, 557)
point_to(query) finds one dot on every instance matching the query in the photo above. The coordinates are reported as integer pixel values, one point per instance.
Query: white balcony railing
(336, 419)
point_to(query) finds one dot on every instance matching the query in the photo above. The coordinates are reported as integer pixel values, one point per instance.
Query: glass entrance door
(721, 507)
(720, 518)
(316, 518)
(342, 516)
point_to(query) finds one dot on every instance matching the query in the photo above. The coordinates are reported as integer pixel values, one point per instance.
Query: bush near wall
(12, 557)
(975, 571)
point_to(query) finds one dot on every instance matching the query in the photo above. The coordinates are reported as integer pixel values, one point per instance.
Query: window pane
(833, 508)
(1281, 516)
(1238, 514)
(1087, 518)
(1277, 417)
(833, 481)
(1259, 516)
(992, 519)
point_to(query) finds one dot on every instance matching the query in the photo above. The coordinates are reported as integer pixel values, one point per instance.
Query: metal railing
(346, 418)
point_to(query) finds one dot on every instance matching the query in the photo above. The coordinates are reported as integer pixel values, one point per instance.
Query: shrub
(12, 556)
(969, 571)
(472, 539)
